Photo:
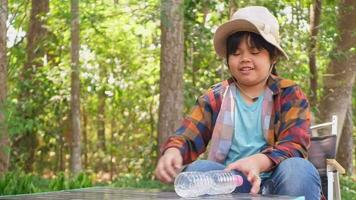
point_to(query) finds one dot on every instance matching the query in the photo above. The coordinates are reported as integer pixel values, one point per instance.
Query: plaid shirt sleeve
(291, 128)
(195, 132)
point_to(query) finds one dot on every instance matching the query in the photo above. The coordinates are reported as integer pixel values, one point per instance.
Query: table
(111, 193)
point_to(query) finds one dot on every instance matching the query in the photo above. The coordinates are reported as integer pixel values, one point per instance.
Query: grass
(16, 182)
(20, 183)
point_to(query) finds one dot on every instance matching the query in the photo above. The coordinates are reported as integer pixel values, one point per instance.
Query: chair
(322, 153)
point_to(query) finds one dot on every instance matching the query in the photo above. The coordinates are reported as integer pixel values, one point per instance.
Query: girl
(258, 124)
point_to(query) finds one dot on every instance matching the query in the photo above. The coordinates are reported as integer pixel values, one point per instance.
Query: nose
(245, 57)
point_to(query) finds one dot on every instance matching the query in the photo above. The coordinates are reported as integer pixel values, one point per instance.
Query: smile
(244, 69)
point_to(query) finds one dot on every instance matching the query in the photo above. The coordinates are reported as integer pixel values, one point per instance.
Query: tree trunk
(36, 35)
(340, 77)
(4, 138)
(172, 68)
(35, 51)
(66, 141)
(315, 12)
(112, 144)
(153, 122)
(76, 164)
(101, 111)
(344, 155)
(61, 165)
(85, 137)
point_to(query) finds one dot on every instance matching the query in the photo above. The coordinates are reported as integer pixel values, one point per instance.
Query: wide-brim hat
(255, 19)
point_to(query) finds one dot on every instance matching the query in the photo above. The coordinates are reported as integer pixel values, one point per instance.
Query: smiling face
(249, 58)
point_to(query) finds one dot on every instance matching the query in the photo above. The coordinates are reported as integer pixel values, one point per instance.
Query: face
(249, 65)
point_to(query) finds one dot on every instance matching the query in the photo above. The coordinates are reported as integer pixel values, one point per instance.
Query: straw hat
(255, 19)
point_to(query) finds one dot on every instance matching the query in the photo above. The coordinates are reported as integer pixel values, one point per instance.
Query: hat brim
(237, 25)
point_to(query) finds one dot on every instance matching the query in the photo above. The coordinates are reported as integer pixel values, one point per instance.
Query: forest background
(81, 82)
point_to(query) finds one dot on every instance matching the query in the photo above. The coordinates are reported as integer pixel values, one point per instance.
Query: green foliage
(62, 182)
(202, 69)
(120, 55)
(59, 183)
(18, 182)
(111, 36)
(348, 187)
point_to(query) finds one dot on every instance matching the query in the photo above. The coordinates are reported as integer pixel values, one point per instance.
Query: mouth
(246, 69)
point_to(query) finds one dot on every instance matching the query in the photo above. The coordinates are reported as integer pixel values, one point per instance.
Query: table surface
(111, 193)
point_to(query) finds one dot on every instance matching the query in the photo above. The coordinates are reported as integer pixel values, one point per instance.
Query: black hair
(254, 40)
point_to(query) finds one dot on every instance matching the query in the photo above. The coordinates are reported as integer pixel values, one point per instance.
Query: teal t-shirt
(248, 136)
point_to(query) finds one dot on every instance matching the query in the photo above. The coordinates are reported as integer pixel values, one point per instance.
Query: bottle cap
(238, 180)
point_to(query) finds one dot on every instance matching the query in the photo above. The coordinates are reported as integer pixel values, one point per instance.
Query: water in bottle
(193, 184)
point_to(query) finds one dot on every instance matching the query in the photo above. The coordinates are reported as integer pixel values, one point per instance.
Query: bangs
(253, 40)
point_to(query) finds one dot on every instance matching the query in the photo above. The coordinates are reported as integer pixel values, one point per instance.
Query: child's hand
(252, 166)
(169, 165)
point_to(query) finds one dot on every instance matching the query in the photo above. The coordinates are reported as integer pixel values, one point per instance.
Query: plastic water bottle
(193, 184)
(223, 182)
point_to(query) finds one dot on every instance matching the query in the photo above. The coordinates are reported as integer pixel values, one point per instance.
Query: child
(258, 124)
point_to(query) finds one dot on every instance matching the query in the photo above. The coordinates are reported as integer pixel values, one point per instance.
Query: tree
(4, 138)
(101, 111)
(36, 36)
(76, 164)
(344, 155)
(315, 12)
(172, 68)
(340, 77)
(29, 107)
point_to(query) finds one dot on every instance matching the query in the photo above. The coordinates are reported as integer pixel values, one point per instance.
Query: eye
(236, 53)
(255, 51)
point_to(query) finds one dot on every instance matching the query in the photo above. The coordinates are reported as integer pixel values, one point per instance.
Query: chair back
(322, 148)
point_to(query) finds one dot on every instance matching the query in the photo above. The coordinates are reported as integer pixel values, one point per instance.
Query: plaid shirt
(287, 134)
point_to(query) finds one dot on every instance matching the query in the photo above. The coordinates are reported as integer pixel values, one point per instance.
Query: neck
(254, 90)
(251, 93)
